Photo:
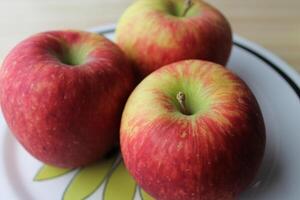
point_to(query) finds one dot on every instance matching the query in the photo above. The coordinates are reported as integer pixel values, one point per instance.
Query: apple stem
(187, 5)
(181, 100)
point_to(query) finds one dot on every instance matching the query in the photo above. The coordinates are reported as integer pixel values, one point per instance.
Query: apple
(62, 95)
(154, 33)
(192, 130)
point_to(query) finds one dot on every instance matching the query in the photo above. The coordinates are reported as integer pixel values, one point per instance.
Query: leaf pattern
(47, 172)
(120, 185)
(145, 195)
(88, 179)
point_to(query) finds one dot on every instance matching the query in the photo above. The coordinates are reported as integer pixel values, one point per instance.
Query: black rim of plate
(254, 53)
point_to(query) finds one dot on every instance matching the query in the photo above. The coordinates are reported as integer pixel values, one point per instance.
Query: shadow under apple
(269, 174)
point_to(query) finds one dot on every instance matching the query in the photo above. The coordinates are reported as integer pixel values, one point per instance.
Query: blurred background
(274, 24)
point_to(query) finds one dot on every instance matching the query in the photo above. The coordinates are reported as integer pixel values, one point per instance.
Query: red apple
(62, 95)
(154, 33)
(192, 130)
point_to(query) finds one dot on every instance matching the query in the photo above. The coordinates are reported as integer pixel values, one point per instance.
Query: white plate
(276, 87)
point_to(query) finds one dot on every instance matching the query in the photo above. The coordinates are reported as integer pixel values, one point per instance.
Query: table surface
(274, 24)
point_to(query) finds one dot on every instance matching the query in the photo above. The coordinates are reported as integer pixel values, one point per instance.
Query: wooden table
(274, 24)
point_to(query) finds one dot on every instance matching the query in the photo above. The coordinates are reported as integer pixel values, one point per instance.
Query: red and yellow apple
(62, 95)
(154, 33)
(192, 130)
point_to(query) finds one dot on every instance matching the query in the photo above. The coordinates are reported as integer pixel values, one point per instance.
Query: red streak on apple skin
(213, 156)
(66, 116)
(162, 158)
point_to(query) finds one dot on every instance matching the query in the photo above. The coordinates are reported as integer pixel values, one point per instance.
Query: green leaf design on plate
(47, 172)
(145, 195)
(88, 179)
(120, 185)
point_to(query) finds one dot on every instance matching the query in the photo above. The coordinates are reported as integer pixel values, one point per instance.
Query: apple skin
(212, 154)
(153, 34)
(62, 95)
